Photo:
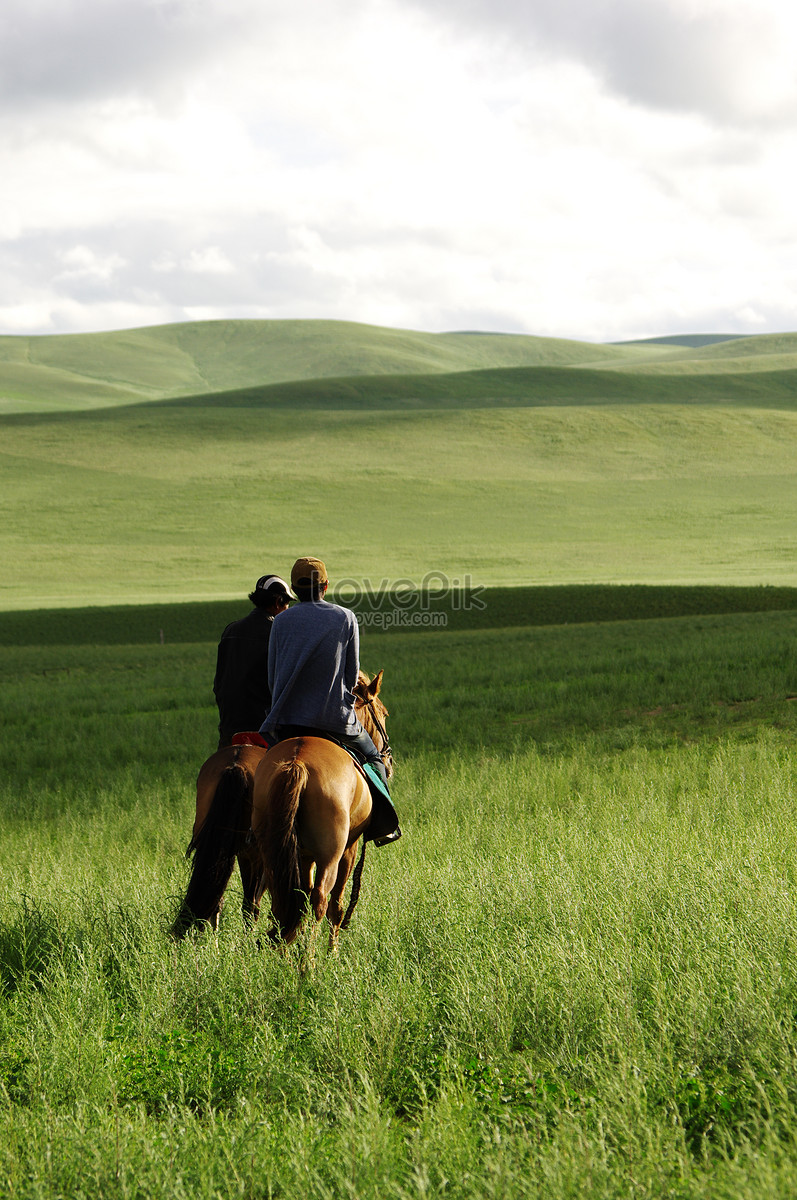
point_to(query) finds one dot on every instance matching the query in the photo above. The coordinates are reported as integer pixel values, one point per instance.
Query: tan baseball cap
(308, 571)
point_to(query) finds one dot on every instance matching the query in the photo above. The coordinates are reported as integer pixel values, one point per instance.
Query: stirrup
(388, 837)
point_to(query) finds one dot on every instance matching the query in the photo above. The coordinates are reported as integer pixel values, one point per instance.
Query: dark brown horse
(222, 833)
(310, 807)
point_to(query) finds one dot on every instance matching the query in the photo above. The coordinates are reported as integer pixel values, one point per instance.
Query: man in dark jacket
(241, 683)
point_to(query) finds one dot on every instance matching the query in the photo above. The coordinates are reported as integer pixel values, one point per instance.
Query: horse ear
(375, 685)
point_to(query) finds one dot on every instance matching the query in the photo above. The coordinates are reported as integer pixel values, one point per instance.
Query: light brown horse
(310, 807)
(222, 833)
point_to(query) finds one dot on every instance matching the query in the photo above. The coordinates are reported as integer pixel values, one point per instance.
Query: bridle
(386, 754)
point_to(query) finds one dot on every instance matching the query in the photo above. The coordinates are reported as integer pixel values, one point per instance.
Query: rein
(385, 752)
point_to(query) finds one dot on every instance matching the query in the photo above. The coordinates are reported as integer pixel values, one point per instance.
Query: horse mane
(371, 713)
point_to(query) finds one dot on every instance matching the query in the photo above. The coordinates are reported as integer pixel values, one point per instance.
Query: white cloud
(79, 262)
(590, 170)
(728, 59)
(209, 261)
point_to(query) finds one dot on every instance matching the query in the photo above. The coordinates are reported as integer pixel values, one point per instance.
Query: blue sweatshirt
(313, 660)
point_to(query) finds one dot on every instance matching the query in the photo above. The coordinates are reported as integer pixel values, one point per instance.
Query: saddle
(384, 824)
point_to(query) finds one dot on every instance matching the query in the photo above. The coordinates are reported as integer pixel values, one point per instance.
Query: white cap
(265, 582)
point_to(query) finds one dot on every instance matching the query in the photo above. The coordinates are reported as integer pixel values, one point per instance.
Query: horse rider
(241, 681)
(313, 664)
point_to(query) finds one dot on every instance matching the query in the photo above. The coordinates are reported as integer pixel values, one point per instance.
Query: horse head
(372, 713)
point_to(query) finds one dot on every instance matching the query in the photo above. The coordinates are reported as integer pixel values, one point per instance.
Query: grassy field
(574, 974)
(115, 509)
(515, 461)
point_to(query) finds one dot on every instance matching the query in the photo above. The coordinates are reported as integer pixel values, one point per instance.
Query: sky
(591, 169)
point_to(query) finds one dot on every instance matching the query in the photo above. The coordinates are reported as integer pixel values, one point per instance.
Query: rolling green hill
(548, 462)
(682, 339)
(93, 370)
(514, 387)
(82, 371)
(770, 352)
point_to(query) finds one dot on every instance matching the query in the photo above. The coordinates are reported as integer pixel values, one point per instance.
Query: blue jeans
(364, 745)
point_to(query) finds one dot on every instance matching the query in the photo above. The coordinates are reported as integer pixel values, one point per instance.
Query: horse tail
(280, 845)
(356, 880)
(214, 847)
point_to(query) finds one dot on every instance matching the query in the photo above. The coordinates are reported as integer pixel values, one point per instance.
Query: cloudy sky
(597, 169)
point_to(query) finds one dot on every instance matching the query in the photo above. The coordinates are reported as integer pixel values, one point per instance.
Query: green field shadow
(405, 611)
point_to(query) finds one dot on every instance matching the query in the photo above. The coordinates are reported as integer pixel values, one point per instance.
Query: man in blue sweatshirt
(313, 663)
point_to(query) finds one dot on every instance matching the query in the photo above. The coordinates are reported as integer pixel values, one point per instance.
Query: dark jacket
(241, 683)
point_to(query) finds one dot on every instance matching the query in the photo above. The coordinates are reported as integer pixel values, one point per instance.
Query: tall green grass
(573, 975)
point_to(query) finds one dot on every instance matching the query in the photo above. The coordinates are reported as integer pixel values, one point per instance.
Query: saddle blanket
(367, 770)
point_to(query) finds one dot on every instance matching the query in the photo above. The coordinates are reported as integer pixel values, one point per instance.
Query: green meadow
(180, 462)
(575, 973)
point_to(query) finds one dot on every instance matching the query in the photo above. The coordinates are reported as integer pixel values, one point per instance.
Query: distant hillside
(152, 480)
(246, 362)
(95, 370)
(521, 387)
(694, 340)
(765, 352)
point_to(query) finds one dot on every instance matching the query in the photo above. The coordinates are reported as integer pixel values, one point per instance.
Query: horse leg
(307, 875)
(204, 897)
(316, 883)
(335, 909)
(325, 892)
(223, 809)
(252, 882)
(286, 934)
(213, 866)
